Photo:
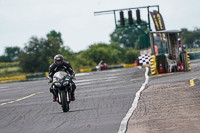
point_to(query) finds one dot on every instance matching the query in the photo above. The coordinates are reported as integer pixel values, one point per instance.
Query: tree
(55, 36)
(190, 36)
(38, 54)
(109, 53)
(4, 58)
(197, 33)
(10, 54)
(98, 52)
(127, 37)
(131, 55)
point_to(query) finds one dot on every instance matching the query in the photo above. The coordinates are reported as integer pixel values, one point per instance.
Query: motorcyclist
(60, 65)
(101, 63)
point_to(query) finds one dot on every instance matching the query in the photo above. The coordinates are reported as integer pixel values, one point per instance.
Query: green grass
(9, 69)
(8, 64)
(10, 72)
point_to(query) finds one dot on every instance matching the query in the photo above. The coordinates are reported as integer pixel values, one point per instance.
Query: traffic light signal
(121, 18)
(130, 18)
(138, 16)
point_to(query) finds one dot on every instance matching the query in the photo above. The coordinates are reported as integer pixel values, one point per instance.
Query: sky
(75, 19)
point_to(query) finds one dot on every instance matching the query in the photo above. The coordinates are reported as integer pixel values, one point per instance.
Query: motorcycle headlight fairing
(65, 83)
(58, 84)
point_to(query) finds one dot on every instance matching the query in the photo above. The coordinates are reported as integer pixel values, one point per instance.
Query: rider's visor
(58, 62)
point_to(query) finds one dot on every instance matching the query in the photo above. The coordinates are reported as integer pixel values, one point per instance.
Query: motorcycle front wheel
(65, 105)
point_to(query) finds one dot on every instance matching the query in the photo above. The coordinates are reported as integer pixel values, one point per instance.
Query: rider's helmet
(58, 59)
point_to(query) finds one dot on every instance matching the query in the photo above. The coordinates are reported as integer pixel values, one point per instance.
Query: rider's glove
(73, 75)
(50, 79)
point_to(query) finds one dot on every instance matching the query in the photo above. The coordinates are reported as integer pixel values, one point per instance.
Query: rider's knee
(50, 90)
(73, 86)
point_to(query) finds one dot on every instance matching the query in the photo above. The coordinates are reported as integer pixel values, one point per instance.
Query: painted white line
(5, 100)
(3, 87)
(82, 74)
(9, 89)
(94, 79)
(87, 83)
(124, 122)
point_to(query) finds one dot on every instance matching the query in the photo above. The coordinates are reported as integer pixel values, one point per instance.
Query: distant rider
(101, 63)
(60, 65)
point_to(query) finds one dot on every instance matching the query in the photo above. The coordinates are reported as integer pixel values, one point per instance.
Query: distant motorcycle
(102, 67)
(62, 88)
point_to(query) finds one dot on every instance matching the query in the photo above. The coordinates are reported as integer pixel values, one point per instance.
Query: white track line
(124, 122)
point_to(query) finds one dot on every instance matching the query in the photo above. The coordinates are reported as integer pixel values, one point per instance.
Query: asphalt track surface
(102, 101)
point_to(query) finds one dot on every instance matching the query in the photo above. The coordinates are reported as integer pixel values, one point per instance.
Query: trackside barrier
(94, 69)
(46, 74)
(85, 70)
(23, 77)
(194, 55)
(188, 61)
(39, 75)
(153, 65)
(128, 65)
(114, 67)
(109, 67)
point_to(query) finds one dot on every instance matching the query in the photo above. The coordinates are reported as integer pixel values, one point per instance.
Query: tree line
(38, 53)
(189, 36)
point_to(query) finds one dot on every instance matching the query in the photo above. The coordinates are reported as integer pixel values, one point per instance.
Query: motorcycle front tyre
(65, 105)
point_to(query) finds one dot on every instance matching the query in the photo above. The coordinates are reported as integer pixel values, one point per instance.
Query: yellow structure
(153, 65)
(46, 74)
(23, 77)
(128, 65)
(188, 61)
(85, 70)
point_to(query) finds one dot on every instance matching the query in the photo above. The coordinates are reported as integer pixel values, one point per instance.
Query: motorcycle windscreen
(60, 75)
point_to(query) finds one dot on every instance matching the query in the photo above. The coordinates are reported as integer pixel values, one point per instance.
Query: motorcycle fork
(68, 95)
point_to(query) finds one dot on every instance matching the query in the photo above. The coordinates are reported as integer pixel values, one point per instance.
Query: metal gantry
(114, 12)
(133, 25)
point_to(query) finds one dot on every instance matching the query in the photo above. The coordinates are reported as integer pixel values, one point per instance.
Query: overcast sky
(75, 20)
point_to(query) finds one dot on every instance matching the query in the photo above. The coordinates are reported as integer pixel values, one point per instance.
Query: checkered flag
(144, 59)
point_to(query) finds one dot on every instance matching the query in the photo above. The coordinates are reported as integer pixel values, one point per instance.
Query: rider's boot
(72, 93)
(72, 96)
(54, 97)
